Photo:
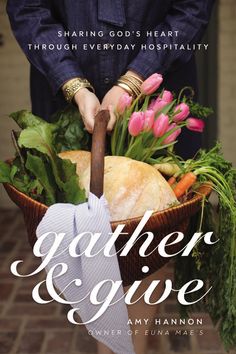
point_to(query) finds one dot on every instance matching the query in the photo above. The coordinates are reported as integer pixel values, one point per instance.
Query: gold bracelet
(131, 84)
(126, 88)
(133, 77)
(71, 87)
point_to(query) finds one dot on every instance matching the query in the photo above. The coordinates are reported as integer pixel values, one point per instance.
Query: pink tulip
(158, 105)
(183, 110)
(151, 105)
(136, 123)
(124, 102)
(166, 96)
(196, 125)
(161, 101)
(161, 125)
(149, 120)
(151, 84)
(172, 137)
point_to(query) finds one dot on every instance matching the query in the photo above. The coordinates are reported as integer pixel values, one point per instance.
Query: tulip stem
(189, 88)
(156, 144)
(135, 102)
(114, 135)
(131, 152)
(131, 141)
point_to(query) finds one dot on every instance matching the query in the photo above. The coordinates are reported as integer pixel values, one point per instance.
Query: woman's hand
(88, 105)
(112, 98)
(110, 102)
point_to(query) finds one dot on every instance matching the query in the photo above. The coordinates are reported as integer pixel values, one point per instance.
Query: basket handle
(98, 152)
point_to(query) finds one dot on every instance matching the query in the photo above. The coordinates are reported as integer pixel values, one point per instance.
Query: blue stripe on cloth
(73, 220)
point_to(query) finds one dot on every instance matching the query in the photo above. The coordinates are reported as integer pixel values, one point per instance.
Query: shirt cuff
(62, 73)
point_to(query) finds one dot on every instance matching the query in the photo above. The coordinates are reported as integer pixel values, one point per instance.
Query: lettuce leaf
(44, 175)
(39, 140)
(5, 173)
(70, 132)
(26, 119)
(67, 125)
(39, 168)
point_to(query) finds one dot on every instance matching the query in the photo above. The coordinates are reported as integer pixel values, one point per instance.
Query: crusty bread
(130, 187)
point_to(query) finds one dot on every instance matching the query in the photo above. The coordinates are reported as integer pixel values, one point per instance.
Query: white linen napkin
(73, 220)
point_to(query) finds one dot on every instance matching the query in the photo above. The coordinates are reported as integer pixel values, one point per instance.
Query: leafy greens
(44, 175)
(215, 265)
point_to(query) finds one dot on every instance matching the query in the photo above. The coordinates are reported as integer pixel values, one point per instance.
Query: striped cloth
(73, 220)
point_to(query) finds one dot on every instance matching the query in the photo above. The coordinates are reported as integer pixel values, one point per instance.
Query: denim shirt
(41, 22)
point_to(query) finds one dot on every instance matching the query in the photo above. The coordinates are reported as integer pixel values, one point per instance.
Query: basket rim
(204, 190)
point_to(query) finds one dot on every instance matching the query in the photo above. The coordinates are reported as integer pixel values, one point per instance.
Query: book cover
(117, 177)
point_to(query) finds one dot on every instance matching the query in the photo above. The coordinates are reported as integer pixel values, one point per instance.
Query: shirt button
(106, 80)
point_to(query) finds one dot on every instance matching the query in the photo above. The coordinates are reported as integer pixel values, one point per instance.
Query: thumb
(112, 120)
(89, 118)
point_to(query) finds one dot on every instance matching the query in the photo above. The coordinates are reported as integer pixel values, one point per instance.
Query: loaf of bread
(130, 187)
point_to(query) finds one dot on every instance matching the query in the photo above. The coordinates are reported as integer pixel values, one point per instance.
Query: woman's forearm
(189, 19)
(34, 24)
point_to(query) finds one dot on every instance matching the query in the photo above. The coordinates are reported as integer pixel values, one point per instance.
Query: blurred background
(28, 328)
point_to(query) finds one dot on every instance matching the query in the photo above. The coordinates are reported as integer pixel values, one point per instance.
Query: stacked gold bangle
(71, 87)
(131, 84)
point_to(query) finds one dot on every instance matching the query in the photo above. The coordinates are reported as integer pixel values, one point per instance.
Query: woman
(88, 34)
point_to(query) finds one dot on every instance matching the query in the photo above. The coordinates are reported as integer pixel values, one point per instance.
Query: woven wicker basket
(161, 223)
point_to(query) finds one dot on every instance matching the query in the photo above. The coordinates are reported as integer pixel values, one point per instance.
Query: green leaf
(145, 104)
(199, 111)
(70, 132)
(40, 170)
(14, 170)
(37, 187)
(5, 172)
(23, 184)
(167, 108)
(66, 168)
(26, 119)
(220, 259)
(50, 179)
(74, 194)
(39, 138)
(68, 182)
